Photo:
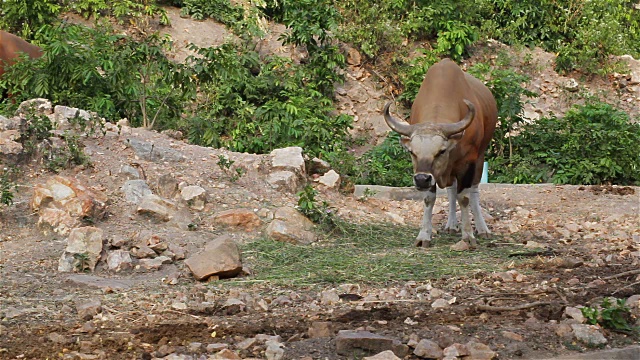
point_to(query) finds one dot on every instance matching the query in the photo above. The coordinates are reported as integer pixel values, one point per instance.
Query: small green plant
(613, 314)
(82, 263)
(367, 194)
(35, 129)
(321, 214)
(7, 185)
(225, 164)
(57, 159)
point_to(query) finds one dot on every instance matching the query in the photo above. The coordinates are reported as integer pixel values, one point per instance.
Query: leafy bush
(120, 10)
(592, 144)
(256, 107)
(412, 75)
(614, 315)
(386, 164)
(220, 10)
(25, 17)
(507, 87)
(110, 74)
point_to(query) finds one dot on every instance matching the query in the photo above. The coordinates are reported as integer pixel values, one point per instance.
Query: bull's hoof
(423, 243)
(486, 235)
(451, 230)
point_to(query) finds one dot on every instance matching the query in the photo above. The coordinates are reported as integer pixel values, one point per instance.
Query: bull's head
(430, 146)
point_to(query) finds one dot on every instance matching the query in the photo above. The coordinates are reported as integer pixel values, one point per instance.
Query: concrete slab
(627, 353)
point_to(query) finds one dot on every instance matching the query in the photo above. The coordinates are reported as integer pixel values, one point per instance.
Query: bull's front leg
(476, 210)
(426, 228)
(467, 230)
(452, 221)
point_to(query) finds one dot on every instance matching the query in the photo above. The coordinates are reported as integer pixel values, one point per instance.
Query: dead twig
(626, 287)
(182, 313)
(564, 299)
(626, 273)
(511, 308)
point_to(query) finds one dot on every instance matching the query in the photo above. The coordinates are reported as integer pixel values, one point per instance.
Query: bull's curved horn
(451, 129)
(396, 125)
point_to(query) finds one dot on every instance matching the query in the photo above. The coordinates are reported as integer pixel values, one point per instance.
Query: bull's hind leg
(426, 228)
(481, 226)
(467, 230)
(452, 221)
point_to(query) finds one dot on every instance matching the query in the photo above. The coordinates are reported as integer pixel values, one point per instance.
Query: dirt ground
(144, 314)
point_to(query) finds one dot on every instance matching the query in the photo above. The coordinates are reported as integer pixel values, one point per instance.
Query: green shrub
(220, 10)
(507, 86)
(412, 75)
(25, 17)
(591, 144)
(386, 164)
(613, 314)
(110, 74)
(321, 214)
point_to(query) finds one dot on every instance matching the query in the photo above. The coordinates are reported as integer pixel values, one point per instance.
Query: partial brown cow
(11, 47)
(453, 119)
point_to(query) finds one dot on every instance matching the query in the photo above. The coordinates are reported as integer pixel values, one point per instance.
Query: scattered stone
(220, 257)
(227, 354)
(478, 351)
(157, 207)
(62, 115)
(331, 179)
(174, 134)
(351, 342)
(329, 297)
(385, 355)
(155, 263)
(152, 152)
(274, 350)
(195, 196)
(570, 85)
(135, 190)
(564, 330)
(512, 336)
(321, 329)
(534, 245)
(244, 219)
(118, 260)
(59, 339)
(63, 203)
(292, 227)
(84, 246)
(130, 172)
(87, 309)
(588, 334)
(288, 159)
(143, 252)
(167, 186)
(216, 347)
(98, 282)
(246, 343)
(39, 105)
(428, 349)
(440, 304)
(455, 350)
(460, 246)
(318, 166)
(574, 313)
(284, 181)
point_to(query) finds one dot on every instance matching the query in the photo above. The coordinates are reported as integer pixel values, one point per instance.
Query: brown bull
(11, 47)
(453, 119)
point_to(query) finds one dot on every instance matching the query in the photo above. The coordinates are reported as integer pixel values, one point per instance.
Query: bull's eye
(441, 152)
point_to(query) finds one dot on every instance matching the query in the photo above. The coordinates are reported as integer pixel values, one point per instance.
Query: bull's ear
(404, 141)
(456, 136)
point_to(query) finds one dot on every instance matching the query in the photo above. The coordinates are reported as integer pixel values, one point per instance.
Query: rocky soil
(135, 256)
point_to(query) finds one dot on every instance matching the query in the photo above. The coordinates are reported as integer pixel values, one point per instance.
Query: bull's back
(489, 110)
(12, 46)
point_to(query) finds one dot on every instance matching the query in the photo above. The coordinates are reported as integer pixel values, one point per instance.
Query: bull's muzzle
(423, 181)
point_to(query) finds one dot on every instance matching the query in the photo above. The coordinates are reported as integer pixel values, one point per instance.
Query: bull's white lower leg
(474, 198)
(426, 228)
(467, 230)
(452, 222)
